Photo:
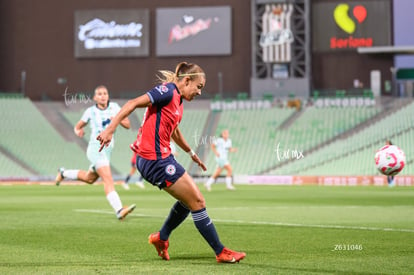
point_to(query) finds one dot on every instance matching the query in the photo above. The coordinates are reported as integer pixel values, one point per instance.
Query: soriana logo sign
(350, 25)
(348, 22)
(344, 21)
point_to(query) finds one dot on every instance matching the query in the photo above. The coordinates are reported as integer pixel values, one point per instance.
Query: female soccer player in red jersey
(156, 163)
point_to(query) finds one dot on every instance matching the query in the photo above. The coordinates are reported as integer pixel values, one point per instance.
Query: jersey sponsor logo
(106, 122)
(170, 169)
(162, 89)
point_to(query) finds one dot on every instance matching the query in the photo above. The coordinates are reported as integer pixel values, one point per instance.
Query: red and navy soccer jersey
(160, 120)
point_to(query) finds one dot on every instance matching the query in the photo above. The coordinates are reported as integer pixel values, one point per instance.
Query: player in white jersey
(221, 148)
(98, 117)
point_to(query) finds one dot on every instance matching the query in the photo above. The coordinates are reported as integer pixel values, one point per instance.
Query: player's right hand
(104, 139)
(197, 160)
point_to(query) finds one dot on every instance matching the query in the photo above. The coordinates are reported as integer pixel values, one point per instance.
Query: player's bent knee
(91, 178)
(195, 203)
(201, 203)
(198, 203)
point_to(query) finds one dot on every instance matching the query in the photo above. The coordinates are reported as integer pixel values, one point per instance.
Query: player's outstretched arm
(126, 123)
(179, 139)
(105, 136)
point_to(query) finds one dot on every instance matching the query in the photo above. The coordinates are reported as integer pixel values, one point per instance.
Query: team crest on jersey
(170, 169)
(162, 89)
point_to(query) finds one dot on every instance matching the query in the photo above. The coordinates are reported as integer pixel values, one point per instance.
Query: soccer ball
(390, 160)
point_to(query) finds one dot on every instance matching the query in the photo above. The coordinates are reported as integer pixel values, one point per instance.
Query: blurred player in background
(221, 148)
(390, 179)
(158, 166)
(98, 117)
(140, 182)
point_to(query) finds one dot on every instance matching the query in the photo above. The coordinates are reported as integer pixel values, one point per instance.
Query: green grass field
(283, 229)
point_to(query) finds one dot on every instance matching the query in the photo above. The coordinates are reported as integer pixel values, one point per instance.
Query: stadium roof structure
(394, 50)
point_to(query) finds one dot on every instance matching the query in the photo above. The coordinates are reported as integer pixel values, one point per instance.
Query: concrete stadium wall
(38, 38)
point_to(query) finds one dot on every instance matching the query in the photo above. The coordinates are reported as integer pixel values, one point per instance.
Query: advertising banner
(349, 25)
(367, 180)
(111, 33)
(191, 31)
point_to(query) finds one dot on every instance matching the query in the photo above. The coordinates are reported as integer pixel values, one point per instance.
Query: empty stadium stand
(253, 132)
(38, 138)
(354, 154)
(29, 137)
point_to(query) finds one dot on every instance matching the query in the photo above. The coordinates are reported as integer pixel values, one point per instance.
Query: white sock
(114, 201)
(70, 174)
(228, 181)
(210, 181)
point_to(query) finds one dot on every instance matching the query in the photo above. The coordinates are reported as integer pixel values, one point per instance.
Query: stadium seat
(355, 155)
(29, 137)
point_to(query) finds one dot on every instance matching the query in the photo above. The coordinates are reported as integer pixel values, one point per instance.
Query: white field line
(323, 226)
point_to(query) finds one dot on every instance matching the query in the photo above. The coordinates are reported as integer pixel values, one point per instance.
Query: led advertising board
(111, 33)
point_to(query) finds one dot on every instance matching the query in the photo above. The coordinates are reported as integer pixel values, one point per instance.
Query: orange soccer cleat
(230, 256)
(160, 245)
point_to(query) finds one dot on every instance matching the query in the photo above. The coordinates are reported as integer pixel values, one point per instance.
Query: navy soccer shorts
(161, 173)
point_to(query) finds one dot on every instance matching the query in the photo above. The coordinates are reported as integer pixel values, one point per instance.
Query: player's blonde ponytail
(166, 76)
(182, 70)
